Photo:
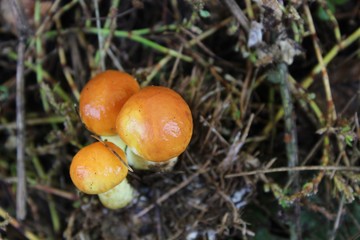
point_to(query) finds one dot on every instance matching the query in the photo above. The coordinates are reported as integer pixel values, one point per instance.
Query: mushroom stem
(115, 139)
(140, 163)
(119, 196)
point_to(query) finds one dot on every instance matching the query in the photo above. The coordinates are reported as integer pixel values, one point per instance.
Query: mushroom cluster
(144, 128)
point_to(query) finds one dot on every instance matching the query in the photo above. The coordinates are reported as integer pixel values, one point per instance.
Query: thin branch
(299, 168)
(23, 31)
(338, 217)
(100, 37)
(29, 235)
(331, 115)
(238, 13)
(20, 139)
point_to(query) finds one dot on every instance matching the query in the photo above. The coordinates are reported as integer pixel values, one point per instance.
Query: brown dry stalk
(238, 13)
(57, 192)
(331, 116)
(17, 225)
(299, 168)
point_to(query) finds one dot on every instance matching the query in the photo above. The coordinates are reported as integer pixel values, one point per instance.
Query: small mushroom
(156, 125)
(101, 100)
(99, 168)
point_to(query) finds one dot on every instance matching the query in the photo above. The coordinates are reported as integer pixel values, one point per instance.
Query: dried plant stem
(39, 57)
(65, 8)
(331, 115)
(57, 89)
(207, 33)
(332, 18)
(190, 43)
(142, 40)
(298, 168)
(338, 217)
(291, 144)
(290, 126)
(23, 31)
(238, 13)
(17, 225)
(308, 81)
(35, 121)
(48, 17)
(63, 61)
(55, 218)
(100, 36)
(110, 24)
(20, 138)
(305, 100)
(56, 192)
(156, 69)
(249, 9)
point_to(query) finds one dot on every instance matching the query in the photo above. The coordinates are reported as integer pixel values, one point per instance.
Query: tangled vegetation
(273, 87)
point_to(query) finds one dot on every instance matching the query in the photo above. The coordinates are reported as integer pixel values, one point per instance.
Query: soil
(238, 65)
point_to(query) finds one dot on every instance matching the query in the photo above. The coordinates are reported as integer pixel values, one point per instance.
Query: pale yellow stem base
(119, 196)
(140, 163)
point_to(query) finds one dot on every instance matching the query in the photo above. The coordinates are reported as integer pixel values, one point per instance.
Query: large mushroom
(100, 168)
(156, 126)
(101, 100)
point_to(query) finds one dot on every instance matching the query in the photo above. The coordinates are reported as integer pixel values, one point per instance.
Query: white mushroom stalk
(118, 197)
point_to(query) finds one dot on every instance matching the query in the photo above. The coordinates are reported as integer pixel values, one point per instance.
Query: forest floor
(274, 91)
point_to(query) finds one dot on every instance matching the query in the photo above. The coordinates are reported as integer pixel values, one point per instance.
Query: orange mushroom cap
(102, 98)
(155, 123)
(96, 169)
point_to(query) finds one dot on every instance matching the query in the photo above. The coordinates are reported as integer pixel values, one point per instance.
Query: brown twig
(57, 192)
(338, 217)
(238, 13)
(17, 225)
(236, 146)
(299, 168)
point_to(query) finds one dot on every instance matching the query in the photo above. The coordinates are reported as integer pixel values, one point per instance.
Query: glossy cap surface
(96, 169)
(155, 123)
(102, 98)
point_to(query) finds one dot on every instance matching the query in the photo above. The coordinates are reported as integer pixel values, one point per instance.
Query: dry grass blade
(10, 220)
(236, 146)
(299, 168)
(238, 13)
(114, 152)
